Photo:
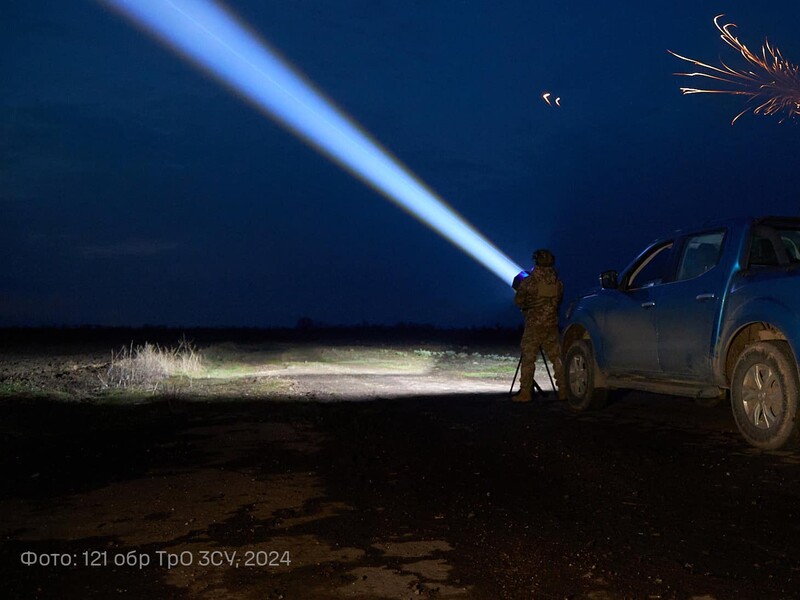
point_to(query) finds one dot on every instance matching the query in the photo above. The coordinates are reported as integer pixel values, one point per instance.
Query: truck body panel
(679, 326)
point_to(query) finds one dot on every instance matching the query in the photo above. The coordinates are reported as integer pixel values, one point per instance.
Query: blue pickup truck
(701, 313)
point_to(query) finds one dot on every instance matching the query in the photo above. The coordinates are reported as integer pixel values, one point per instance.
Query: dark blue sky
(134, 189)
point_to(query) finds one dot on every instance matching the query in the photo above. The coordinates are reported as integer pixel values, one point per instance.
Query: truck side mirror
(608, 280)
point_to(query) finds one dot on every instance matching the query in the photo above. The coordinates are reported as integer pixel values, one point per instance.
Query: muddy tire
(580, 376)
(764, 395)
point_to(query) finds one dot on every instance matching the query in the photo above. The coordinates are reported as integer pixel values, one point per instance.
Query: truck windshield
(790, 238)
(770, 243)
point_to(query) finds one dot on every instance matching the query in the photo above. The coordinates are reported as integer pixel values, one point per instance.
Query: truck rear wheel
(764, 395)
(579, 372)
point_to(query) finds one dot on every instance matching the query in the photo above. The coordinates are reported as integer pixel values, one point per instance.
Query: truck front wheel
(579, 372)
(764, 395)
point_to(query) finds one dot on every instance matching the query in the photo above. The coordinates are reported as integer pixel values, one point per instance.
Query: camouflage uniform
(539, 296)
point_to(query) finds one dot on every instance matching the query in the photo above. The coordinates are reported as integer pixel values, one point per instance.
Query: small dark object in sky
(769, 81)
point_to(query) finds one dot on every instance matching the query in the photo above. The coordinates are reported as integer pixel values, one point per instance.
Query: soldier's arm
(519, 299)
(526, 293)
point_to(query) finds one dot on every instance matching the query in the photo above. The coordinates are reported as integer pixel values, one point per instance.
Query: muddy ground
(304, 471)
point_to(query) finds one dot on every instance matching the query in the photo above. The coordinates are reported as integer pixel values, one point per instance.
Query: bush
(149, 365)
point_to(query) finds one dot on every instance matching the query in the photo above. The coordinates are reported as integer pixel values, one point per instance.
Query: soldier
(539, 296)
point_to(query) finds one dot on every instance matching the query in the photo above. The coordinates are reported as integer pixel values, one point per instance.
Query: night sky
(136, 190)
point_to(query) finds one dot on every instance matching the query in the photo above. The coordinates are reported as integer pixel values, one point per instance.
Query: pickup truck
(705, 312)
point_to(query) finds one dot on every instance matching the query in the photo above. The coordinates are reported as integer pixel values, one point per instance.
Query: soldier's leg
(553, 351)
(529, 347)
(530, 352)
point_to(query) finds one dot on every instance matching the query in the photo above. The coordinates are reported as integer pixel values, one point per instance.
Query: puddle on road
(238, 510)
(161, 508)
(258, 567)
(413, 568)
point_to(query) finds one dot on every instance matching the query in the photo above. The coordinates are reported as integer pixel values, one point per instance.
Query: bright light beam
(208, 35)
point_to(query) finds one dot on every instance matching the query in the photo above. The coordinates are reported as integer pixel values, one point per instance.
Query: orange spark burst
(769, 81)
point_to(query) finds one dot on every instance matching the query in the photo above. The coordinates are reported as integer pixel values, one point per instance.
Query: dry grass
(150, 365)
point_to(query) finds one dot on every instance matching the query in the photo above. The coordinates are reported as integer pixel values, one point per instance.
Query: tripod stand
(537, 389)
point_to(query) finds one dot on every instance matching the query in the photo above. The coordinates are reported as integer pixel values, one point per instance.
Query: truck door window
(700, 254)
(652, 269)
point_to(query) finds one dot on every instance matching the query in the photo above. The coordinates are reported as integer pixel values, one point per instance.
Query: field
(144, 372)
(345, 468)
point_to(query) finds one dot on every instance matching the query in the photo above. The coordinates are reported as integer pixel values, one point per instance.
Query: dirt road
(457, 495)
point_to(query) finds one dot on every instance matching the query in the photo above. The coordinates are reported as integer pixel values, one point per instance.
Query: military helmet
(544, 258)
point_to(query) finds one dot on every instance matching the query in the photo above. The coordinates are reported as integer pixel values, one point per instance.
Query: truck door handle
(648, 304)
(704, 297)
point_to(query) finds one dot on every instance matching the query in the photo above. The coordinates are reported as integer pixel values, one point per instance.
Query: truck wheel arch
(573, 334)
(745, 336)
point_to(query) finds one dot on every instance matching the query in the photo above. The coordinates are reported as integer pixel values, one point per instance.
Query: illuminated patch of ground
(232, 371)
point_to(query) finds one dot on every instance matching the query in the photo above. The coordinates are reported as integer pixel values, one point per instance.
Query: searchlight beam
(209, 36)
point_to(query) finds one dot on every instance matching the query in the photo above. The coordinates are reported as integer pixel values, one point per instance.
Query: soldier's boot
(523, 395)
(525, 384)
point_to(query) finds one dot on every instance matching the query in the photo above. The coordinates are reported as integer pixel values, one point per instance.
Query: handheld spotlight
(518, 279)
